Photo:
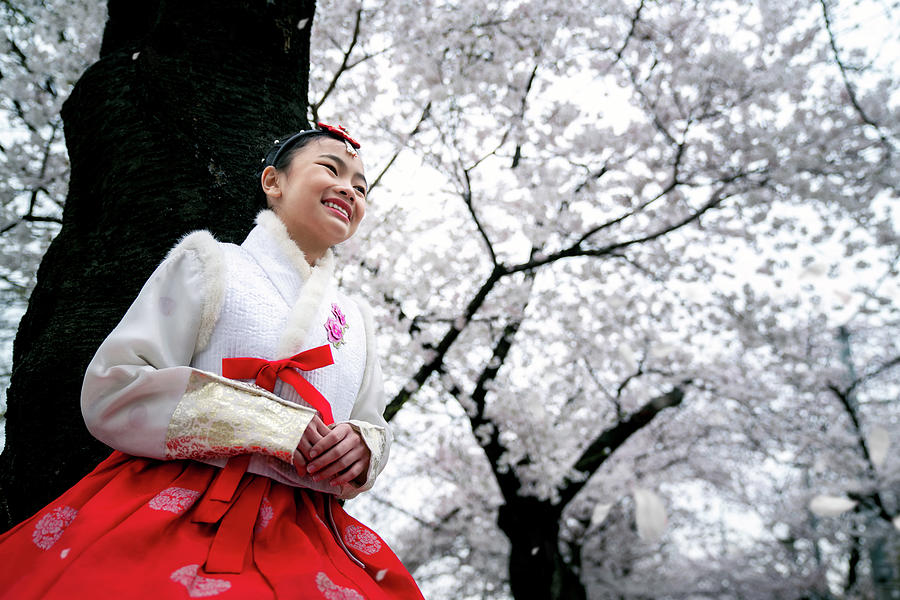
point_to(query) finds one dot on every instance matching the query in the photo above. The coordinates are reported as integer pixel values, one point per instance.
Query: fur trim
(268, 220)
(306, 307)
(317, 279)
(371, 351)
(208, 252)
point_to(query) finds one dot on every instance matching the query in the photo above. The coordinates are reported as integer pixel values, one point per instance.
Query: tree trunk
(164, 133)
(537, 569)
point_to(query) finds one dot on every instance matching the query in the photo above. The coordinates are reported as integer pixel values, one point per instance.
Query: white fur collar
(316, 281)
(269, 221)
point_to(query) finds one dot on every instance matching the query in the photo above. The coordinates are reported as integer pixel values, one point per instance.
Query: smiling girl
(242, 395)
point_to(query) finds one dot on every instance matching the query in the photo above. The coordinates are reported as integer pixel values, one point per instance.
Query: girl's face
(320, 197)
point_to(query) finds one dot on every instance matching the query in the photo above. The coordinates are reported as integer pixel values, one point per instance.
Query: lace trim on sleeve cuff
(219, 417)
(375, 440)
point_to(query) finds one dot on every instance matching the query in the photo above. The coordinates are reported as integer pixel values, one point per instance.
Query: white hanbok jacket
(155, 386)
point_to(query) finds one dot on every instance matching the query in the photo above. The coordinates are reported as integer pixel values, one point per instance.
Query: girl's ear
(269, 182)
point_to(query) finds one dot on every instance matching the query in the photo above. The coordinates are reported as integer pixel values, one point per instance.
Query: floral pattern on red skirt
(126, 531)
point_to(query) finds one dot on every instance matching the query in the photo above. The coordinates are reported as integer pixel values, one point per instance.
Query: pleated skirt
(141, 528)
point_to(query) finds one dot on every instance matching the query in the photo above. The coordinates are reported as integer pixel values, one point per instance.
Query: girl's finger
(320, 427)
(311, 436)
(335, 453)
(344, 462)
(356, 469)
(334, 437)
(299, 463)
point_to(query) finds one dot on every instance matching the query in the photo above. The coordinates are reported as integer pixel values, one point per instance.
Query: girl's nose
(345, 190)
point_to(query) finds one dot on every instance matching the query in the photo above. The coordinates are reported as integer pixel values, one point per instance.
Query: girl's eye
(361, 190)
(331, 168)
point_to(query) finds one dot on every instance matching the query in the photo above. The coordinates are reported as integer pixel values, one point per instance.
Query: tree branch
(576, 250)
(467, 198)
(851, 90)
(500, 271)
(314, 106)
(507, 478)
(631, 30)
(425, 114)
(440, 351)
(612, 438)
(887, 366)
(872, 499)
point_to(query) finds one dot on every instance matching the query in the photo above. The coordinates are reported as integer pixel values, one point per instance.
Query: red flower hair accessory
(341, 131)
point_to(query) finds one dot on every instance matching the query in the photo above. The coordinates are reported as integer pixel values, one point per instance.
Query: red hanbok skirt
(142, 528)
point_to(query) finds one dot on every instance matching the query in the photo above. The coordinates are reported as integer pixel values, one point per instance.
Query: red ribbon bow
(266, 372)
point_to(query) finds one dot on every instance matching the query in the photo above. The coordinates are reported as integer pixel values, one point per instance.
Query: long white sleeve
(367, 416)
(141, 397)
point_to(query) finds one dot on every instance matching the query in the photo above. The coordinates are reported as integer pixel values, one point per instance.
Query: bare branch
(848, 85)
(872, 499)
(606, 443)
(631, 30)
(467, 198)
(42, 219)
(440, 351)
(576, 250)
(598, 228)
(425, 114)
(314, 106)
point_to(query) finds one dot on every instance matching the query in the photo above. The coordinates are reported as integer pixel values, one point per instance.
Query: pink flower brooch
(335, 326)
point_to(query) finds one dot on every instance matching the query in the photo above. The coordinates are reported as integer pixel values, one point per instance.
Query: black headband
(279, 148)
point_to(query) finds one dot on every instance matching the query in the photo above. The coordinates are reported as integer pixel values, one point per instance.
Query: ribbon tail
(309, 393)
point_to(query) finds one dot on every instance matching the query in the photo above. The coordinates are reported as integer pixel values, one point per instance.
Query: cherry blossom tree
(635, 266)
(661, 215)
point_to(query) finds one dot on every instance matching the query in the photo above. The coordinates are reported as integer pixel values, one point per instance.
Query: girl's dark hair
(282, 152)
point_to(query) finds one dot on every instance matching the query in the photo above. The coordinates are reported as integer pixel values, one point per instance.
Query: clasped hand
(337, 454)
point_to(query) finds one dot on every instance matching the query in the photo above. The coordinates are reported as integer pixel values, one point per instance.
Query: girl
(242, 394)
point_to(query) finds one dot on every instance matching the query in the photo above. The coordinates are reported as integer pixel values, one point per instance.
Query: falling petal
(662, 350)
(842, 296)
(627, 356)
(878, 441)
(814, 270)
(650, 514)
(830, 506)
(897, 522)
(601, 511)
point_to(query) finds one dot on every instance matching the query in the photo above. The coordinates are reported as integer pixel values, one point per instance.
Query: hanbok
(204, 390)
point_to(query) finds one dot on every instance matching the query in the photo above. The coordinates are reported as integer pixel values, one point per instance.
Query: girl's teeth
(338, 208)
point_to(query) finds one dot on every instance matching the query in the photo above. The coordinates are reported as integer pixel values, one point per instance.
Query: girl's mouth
(341, 207)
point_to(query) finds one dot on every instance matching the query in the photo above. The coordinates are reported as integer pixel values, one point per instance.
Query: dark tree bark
(164, 134)
(537, 566)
